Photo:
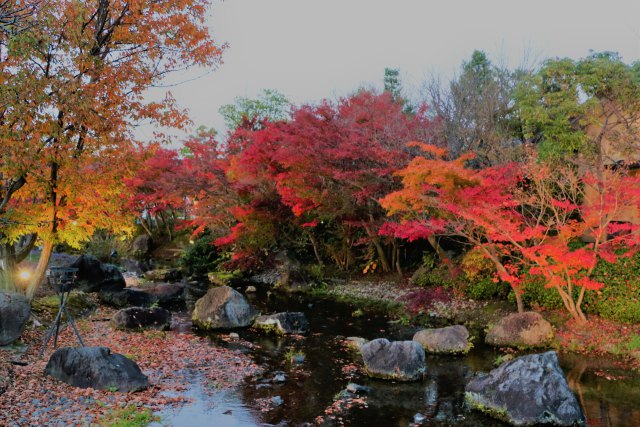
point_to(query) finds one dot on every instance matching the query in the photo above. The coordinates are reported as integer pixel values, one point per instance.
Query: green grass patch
(129, 416)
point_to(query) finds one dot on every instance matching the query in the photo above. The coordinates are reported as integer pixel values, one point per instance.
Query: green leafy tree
(392, 83)
(270, 105)
(586, 111)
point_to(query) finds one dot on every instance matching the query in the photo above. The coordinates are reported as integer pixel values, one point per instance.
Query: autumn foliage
(528, 217)
(338, 183)
(72, 90)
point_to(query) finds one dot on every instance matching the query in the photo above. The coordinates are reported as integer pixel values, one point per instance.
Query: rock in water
(133, 318)
(283, 323)
(94, 276)
(397, 360)
(96, 367)
(223, 308)
(528, 390)
(525, 330)
(14, 313)
(449, 340)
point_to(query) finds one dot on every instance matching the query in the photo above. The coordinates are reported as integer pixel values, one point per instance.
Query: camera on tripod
(62, 279)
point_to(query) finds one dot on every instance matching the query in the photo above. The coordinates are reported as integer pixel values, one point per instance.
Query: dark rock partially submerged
(134, 318)
(528, 390)
(283, 323)
(96, 367)
(14, 313)
(397, 360)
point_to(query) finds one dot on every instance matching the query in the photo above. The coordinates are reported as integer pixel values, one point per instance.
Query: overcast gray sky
(310, 50)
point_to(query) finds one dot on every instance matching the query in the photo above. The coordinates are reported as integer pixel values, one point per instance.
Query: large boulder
(135, 318)
(283, 323)
(223, 308)
(528, 390)
(286, 275)
(96, 367)
(449, 340)
(523, 330)
(94, 276)
(14, 313)
(397, 360)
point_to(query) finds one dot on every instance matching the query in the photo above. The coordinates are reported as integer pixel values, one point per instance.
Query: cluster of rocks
(108, 281)
(527, 390)
(224, 308)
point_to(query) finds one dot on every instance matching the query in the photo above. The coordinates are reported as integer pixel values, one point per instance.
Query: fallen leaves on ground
(169, 359)
(600, 336)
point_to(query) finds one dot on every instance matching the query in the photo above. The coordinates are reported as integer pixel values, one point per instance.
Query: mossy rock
(78, 304)
(498, 413)
(521, 330)
(449, 340)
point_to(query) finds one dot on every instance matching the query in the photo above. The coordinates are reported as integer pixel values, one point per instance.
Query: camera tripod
(62, 280)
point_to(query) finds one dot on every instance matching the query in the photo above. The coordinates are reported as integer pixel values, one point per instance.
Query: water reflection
(610, 395)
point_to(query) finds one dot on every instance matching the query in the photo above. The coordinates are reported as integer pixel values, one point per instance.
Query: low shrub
(200, 257)
(420, 302)
(485, 288)
(619, 300)
(478, 278)
(106, 246)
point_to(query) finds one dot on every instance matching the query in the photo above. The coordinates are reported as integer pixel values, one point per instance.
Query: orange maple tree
(72, 89)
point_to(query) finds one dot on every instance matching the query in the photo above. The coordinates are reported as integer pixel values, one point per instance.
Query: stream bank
(315, 392)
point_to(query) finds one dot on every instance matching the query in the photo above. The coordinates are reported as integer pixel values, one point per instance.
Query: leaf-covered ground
(169, 359)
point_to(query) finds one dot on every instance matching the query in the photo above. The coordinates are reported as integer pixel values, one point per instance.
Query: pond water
(609, 394)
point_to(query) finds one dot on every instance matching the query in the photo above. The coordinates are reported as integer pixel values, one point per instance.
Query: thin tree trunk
(47, 246)
(442, 254)
(166, 226)
(8, 268)
(145, 227)
(396, 256)
(314, 245)
(41, 269)
(379, 249)
(500, 267)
